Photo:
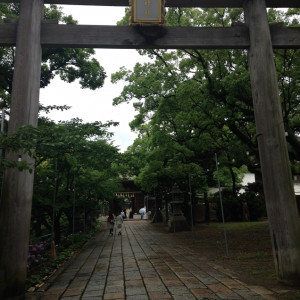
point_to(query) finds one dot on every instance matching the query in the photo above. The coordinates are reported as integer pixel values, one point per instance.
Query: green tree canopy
(192, 104)
(67, 63)
(73, 160)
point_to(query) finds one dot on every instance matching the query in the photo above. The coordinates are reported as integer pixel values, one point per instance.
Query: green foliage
(255, 200)
(33, 280)
(125, 20)
(65, 251)
(251, 199)
(225, 175)
(256, 205)
(75, 165)
(69, 64)
(192, 104)
(119, 204)
(25, 138)
(232, 207)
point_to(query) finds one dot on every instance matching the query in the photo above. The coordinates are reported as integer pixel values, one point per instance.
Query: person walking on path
(119, 223)
(127, 213)
(123, 214)
(111, 223)
(142, 212)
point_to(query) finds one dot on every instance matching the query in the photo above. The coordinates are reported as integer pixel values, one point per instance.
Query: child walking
(119, 223)
(111, 223)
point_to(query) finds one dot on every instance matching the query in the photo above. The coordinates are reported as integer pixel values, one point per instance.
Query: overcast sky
(96, 105)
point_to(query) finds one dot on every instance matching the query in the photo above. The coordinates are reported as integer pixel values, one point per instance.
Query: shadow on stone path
(143, 263)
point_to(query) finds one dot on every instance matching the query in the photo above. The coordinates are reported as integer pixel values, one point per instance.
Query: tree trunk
(233, 178)
(69, 214)
(207, 208)
(57, 228)
(16, 198)
(276, 173)
(37, 227)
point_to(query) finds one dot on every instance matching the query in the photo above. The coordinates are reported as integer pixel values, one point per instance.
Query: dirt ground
(249, 253)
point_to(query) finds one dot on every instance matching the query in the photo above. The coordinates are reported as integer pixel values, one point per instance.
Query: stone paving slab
(144, 263)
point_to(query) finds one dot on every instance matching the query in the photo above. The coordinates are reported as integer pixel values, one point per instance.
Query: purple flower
(35, 254)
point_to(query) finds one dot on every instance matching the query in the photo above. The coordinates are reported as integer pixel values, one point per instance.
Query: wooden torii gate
(31, 33)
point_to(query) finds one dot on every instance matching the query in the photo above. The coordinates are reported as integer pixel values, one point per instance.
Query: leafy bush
(231, 207)
(36, 254)
(256, 205)
(64, 250)
(252, 200)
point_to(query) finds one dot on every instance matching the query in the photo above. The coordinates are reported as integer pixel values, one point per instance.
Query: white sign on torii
(147, 12)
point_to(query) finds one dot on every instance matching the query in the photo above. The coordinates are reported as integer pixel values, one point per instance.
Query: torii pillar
(16, 198)
(276, 172)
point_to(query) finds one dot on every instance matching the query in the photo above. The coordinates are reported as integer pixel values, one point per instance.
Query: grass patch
(254, 255)
(250, 252)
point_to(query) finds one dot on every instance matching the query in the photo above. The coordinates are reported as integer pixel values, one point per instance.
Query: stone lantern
(177, 220)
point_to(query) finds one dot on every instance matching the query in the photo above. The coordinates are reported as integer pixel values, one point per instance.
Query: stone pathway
(144, 263)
